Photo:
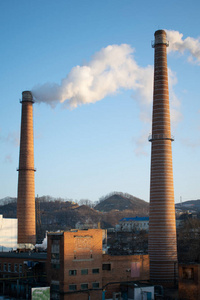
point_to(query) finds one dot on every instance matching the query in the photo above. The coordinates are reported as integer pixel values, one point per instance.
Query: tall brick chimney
(26, 177)
(162, 223)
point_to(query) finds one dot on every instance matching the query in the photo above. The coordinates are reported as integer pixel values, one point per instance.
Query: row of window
(136, 224)
(8, 268)
(84, 286)
(83, 272)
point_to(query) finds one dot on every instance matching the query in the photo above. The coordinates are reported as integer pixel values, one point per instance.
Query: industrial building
(20, 272)
(75, 266)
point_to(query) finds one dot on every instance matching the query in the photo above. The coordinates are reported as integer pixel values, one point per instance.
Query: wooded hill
(55, 214)
(61, 214)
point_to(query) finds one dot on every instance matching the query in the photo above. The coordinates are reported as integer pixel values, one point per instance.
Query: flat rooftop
(26, 255)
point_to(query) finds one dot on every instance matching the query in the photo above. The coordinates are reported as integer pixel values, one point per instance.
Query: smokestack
(26, 181)
(162, 223)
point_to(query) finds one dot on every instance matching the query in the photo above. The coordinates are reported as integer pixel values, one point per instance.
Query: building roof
(134, 219)
(24, 255)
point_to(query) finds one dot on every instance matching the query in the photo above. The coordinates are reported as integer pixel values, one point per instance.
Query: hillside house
(134, 224)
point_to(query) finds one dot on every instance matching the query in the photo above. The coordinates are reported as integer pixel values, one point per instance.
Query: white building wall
(8, 232)
(137, 225)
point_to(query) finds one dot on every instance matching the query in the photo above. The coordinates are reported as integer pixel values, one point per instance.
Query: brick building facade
(77, 269)
(123, 269)
(74, 261)
(74, 267)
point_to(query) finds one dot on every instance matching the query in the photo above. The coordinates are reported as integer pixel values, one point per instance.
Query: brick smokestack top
(162, 223)
(26, 177)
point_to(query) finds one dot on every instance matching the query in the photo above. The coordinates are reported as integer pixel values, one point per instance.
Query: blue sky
(100, 147)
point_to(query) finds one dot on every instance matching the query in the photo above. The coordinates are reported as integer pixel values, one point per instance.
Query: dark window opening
(84, 271)
(95, 271)
(72, 272)
(188, 273)
(55, 266)
(72, 287)
(84, 286)
(95, 285)
(106, 267)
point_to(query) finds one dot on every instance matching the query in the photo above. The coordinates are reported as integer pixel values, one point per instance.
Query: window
(84, 286)
(20, 268)
(15, 268)
(72, 287)
(72, 272)
(9, 267)
(55, 246)
(84, 271)
(188, 273)
(55, 266)
(55, 254)
(55, 290)
(5, 267)
(106, 267)
(95, 285)
(55, 287)
(95, 271)
(55, 295)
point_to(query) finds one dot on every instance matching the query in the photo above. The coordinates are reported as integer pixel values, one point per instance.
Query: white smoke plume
(189, 44)
(175, 104)
(110, 69)
(114, 68)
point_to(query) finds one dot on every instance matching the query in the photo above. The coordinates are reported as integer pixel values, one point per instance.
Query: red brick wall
(82, 250)
(79, 249)
(121, 270)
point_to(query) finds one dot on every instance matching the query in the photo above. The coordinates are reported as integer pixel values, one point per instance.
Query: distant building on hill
(86, 225)
(134, 224)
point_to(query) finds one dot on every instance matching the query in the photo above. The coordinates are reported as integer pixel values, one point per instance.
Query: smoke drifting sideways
(111, 69)
(189, 44)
